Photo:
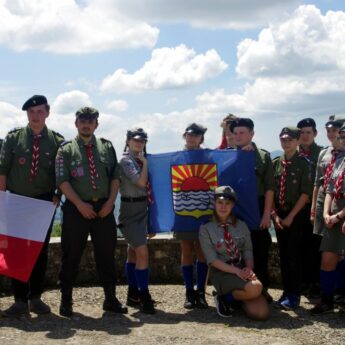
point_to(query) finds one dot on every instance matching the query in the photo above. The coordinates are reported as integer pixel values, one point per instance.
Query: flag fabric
(183, 184)
(24, 223)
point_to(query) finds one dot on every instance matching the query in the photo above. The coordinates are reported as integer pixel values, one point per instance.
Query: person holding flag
(27, 169)
(133, 219)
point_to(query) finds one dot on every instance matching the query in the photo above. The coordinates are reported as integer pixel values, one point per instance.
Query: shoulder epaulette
(15, 130)
(58, 134)
(264, 150)
(105, 141)
(65, 143)
(276, 159)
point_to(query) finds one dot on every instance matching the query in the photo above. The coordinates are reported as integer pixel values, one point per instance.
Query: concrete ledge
(164, 263)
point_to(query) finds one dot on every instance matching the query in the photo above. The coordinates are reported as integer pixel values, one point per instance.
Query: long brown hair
(232, 216)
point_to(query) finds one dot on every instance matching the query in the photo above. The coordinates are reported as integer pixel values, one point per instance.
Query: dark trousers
(311, 255)
(261, 240)
(290, 250)
(34, 287)
(75, 231)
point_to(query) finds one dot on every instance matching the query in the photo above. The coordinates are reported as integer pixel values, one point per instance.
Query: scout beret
(137, 133)
(290, 132)
(242, 122)
(225, 192)
(33, 101)
(307, 122)
(196, 129)
(334, 123)
(87, 113)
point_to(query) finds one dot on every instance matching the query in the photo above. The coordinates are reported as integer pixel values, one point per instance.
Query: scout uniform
(292, 180)
(311, 257)
(193, 298)
(133, 222)
(1, 141)
(27, 161)
(261, 238)
(89, 169)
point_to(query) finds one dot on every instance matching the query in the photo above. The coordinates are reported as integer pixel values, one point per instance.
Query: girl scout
(133, 219)
(227, 246)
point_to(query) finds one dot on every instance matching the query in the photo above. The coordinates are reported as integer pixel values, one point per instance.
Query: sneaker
(322, 308)
(191, 299)
(223, 309)
(201, 300)
(18, 308)
(133, 297)
(114, 306)
(147, 304)
(37, 306)
(290, 302)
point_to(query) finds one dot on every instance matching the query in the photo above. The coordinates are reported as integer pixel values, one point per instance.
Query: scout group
(302, 192)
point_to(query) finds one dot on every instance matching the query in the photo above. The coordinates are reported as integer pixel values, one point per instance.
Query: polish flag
(24, 224)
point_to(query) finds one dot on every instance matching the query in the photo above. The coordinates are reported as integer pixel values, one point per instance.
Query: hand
(312, 216)
(265, 222)
(56, 201)
(106, 209)
(142, 158)
(249, 273)
(86, 210)
(248, 147)
(327, 220)
(278, 222)
(286, 222)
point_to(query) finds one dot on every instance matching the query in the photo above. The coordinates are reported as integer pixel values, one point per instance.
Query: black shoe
(38, 307)
(201, 300)
(18, 308)
(66, 309)
(322, 308)
(191, 300)
(114, 306)
(147, 304)
(223, 308)
(133, 297)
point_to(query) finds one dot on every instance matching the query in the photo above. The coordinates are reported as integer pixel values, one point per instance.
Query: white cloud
(235, 14)
(168, 68)
(307, 43)
(11, 117)
(65, 27)
(70, 101)
(117, 105)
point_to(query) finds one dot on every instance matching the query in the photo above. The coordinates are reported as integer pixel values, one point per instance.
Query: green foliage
(56, 230)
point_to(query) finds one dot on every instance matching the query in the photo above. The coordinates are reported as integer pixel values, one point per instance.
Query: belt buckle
(94, 199)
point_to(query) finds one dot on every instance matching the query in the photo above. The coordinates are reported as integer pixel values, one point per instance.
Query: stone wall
(164, 264)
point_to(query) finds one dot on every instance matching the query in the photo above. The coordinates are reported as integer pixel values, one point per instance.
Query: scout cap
(307, 122)
(137, 134)
(290, 132)
(225, 192)
(195, 129)
(33, 101)
(334, 123)
(87, 113)
(242, 122)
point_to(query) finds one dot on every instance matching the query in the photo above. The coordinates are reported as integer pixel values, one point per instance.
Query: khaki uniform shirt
(72, 165)
(16, 161)
(323, 161)
(211, 237)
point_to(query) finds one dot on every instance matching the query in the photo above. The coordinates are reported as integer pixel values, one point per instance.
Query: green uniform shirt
(263, 171)
(16, 160)
(298, 180)
(72, 165)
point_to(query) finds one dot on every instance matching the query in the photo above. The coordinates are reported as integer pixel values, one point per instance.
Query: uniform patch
(21, 160)
(219, 244)
(79, 171)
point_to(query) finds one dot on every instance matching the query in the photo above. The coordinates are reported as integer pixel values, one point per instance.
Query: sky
(163, 64)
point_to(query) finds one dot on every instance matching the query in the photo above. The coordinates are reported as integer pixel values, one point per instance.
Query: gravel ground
(171, 325)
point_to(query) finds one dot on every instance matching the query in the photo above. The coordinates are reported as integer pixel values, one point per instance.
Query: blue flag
(183, 183)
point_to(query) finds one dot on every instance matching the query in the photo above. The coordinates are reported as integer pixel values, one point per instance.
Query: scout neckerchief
(229, 242)
(92, 167)
(285, 164)
(303, 153)
(35, 156)
(148, 184)
(329, 169)
(339, 183)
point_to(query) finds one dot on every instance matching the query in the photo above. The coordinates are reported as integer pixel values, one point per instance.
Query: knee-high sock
(201, 273)
(130, 274)
(341, 275)
(142, 279)
(187, 273)
(328, 280)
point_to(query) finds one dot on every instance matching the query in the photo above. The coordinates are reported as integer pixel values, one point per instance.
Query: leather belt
(138, 199)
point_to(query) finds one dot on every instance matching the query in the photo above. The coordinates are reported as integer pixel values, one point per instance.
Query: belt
(138, 199)
(94, 200)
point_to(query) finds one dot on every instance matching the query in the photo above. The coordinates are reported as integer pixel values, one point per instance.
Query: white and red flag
(24, 224)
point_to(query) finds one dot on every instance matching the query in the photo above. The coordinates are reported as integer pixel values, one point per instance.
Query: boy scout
(27, 168)
(293, 184)
(243, 130)
(87, 174)
(311, 257)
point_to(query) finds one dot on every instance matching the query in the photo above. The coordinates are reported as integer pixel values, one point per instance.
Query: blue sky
(163, 64)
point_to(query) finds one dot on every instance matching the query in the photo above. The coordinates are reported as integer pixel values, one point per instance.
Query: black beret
(242, 122)
(195, 129)
(87, 113)
(290, 132)
(334, 123)
(225, 192)
(137, 133)
(33, 101)
(308, 122)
